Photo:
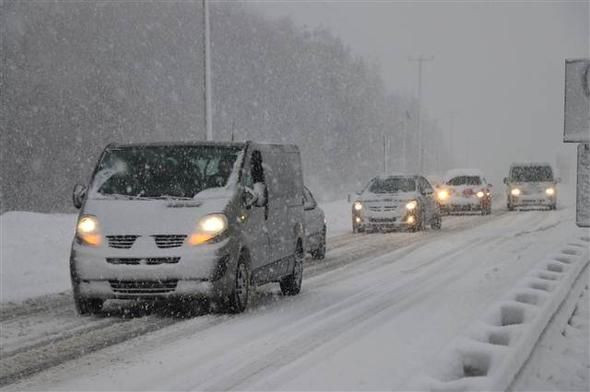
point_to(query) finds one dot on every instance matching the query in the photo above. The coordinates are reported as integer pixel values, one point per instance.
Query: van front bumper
(202, 271)
(538, 199)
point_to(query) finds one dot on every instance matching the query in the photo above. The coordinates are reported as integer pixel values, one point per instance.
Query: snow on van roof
(462, 172)
(530, 164)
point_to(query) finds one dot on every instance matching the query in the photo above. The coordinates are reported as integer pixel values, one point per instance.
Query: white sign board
(577, 101)
(583, 186)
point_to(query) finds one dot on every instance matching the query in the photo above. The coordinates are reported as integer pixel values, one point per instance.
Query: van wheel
(510, 207)
(436, 223)
(238, 300)
(87, 306)
(291, 285)
(320, 252)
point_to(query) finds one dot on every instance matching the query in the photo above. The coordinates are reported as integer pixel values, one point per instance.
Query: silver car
(531, 184)
(401, 201)
(189, 220)
(315, 226)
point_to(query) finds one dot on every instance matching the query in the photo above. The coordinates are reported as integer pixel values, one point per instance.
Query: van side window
(256, 167)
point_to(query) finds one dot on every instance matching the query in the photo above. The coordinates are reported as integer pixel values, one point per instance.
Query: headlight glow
(479, 194)
(515, 192)
(443, 195)
(208, 227)
(411, 219)
(550, 191)
(88, 231)
(358, 206)
(412, 205)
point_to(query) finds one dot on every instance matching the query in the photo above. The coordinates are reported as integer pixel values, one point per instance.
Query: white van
(189, 220)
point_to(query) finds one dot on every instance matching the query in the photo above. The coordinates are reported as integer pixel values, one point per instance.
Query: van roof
(262, 146)
(530, 164)
(176, 143)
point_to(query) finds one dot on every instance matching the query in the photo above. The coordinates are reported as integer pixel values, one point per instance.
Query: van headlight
(443, 195)
(515, 192)
(412, 205)
(88, 230)
(550, 191)
(208, 227)
(480, 194)
(358, 206)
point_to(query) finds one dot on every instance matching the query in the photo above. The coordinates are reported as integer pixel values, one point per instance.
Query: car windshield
(464, 180)
(393, 185)
(164, 171)
(531, 174)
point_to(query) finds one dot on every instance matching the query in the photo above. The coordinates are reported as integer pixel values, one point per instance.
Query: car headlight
(88, 230)
(550, 191)
(412, 205)
(515, 192)
(443, 195)
(358, 206)
(480, 194)
(208, 228)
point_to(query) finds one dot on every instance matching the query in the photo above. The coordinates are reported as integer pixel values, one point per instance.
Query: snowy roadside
(34, 254)
(35, 249)
(561, 359)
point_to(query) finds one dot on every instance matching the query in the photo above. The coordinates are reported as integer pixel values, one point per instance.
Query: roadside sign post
(576, 129)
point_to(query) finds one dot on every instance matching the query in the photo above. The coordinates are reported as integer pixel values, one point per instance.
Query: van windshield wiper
(165, 197)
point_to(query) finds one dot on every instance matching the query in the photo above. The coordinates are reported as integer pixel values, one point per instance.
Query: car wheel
(320, 252)
(291, 285)
(238, 300)
(87, 306)
(436, 223)
(509, 206)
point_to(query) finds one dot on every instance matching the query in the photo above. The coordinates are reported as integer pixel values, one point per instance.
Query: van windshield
(532, 174)
(393, 185)
(164, 171)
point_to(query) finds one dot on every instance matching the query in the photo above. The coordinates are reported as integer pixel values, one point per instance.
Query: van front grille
(121, 241)
(165, 241)
(143, 287)
(146, 260)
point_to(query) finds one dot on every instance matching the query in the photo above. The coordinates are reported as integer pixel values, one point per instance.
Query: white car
(315, 226)
(465, 190)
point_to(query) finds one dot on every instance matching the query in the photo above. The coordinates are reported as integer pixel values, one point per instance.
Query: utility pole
(452, 138)
(207, 71)
(420, 59)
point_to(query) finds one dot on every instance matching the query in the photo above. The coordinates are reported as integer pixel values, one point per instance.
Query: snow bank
(493, 350)
(34, 254)
(338, 217)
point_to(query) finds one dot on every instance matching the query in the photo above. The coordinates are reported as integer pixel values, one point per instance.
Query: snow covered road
(371, 316)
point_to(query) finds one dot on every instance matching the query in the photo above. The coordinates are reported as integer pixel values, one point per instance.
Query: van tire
(291, 285)
(320, 252)
(87, 306)
(238, 299)
(436, 223)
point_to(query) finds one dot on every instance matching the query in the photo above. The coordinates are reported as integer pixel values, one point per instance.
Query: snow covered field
(373, 316)
(34, 254)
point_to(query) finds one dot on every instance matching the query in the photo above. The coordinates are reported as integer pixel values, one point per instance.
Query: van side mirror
(309, 205)
(505, 180)
(254, 197)
(78, 195)
(248, 197)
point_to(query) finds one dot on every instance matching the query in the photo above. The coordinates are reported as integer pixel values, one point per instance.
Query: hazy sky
(498, 66)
